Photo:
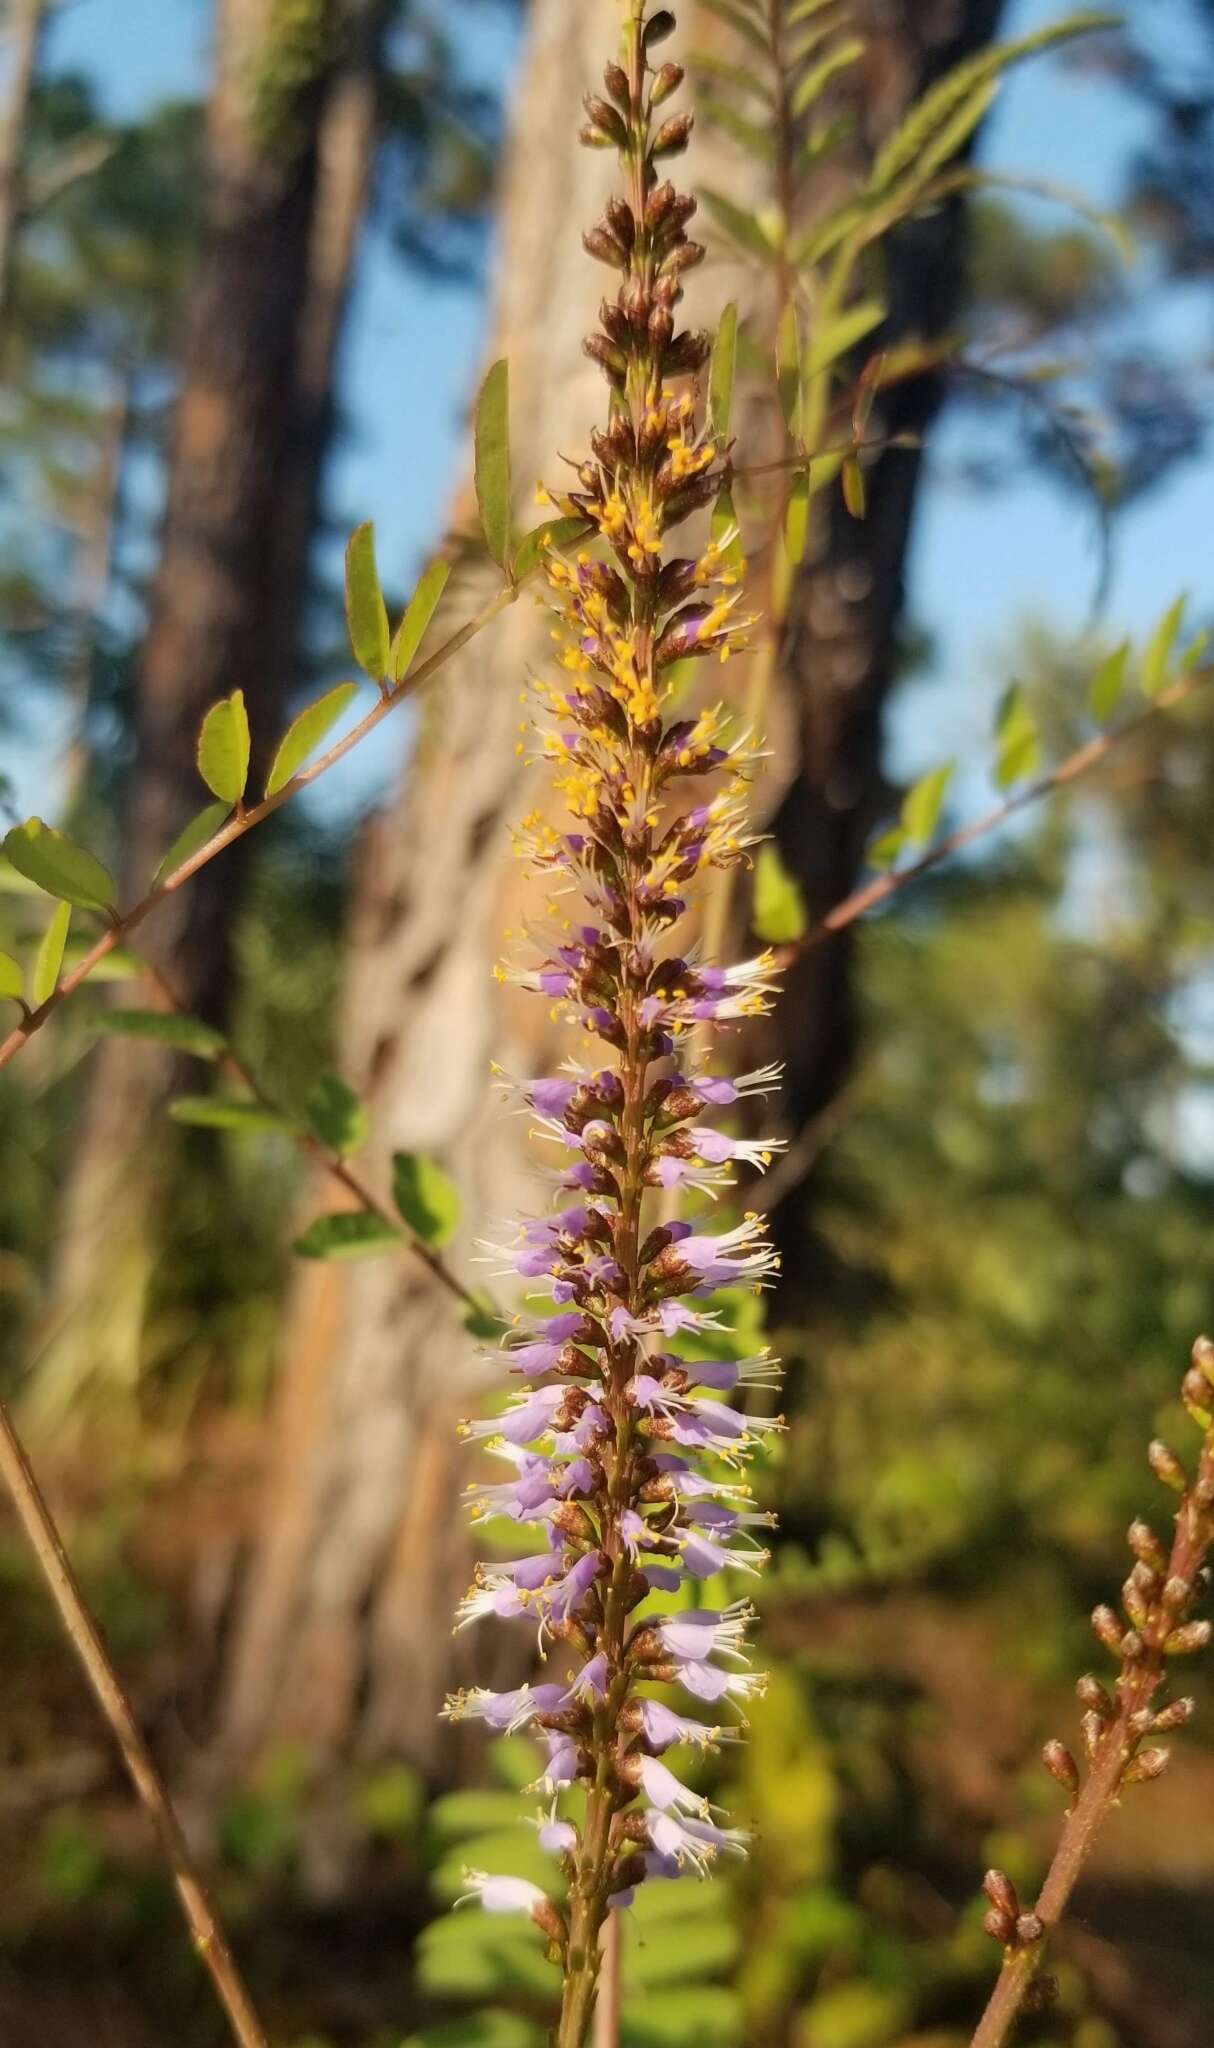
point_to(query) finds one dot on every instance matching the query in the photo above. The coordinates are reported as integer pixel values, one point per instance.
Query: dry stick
(1089, 755)
(244, 820)
(333, 1163)
(606, 2024)
(1158, 1633)
(47, 1545)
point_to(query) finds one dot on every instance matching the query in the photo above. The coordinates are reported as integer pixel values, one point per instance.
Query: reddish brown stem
(82, 1632)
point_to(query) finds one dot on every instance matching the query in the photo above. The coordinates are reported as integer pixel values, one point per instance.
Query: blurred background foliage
(1007, 1251)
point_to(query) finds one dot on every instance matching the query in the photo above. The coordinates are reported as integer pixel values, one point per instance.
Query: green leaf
(337, 1116)
(743, 228)
(223, 748)
(418, 614)
(725, 520)
(796, 518)
(1017, 739)
(305, 732)
(366, 612)
(12, 984)
(727, 10)
(814, 82)
(483, 1321)
(788, 368)
(1106, 685)
(758, 141)
(853, 486)
(779, 907)
(835, 337)
(218, 1113)
(349, 1234)
(919, 133)
(183, 1034)
(883, 851)
(425, 1197)
(59, 866)
(492, 463)
(721, 372)
(49, 957)
(1193, 652)
(202, 826)
(923, 803)
(1157, 653)
(551, 533)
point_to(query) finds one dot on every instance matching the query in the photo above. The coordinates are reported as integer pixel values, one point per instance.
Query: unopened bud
(999, 1926)
(1203, 1357)
(1091, 1728)
(1146, 1546)
(1107, 1628)
(621, 221)
(1061, 1766)
(604, 248)
(604, 117)
(673, 136)
(1198, 1397)
(1165, 1464)
(607, 356)
(1001, 1892)
(1177, 1593)
(1176, 1715)
(615, 78)
(1134, 1602)
(1132, 1646)
(1148, 1764)
(1182, 1642)
(657, 28)
(1029, 1928)
(1094, 1696)
(572, 1521)
(668, 80)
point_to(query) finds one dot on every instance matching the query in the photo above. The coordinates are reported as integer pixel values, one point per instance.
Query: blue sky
(981, 564)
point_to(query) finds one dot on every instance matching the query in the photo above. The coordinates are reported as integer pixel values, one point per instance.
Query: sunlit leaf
(1157, 654)
(426, 1197)
(49, 957)
(223, 748)
(492, 460)
(12, 983)
(305, 732)
(722, 371)
(725, 521)
(203, 826)
(853, 486)
(349, 1234)
(166, 1027)
(214, 1112)
(779, 907)
(337, 1116)
(1017, 739)
(1193, 652)
(483, 1320)
(55, 863)
(796, 518)
(883, 851)
(728, 10)
(421, 609)
(1107, 684)
(788, 367)
(366, 612)
(923, 803)
(551, 533)
(758, 141)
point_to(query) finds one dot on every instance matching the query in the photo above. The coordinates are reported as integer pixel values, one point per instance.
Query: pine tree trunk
(286, 191)
(344, 1635)
(24, 23)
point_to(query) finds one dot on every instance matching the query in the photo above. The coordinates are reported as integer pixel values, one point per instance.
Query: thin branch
(606, 2022)
(1157, 1597)
(333, 1163)
(1084, 758)
(243, 821)
(82, 1632)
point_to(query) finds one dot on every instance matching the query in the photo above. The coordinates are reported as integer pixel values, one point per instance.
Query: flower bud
(1134, 1602)
(1091, 1728)
(1029, 1928)
(1001, 1892)
(657, 28)
(1148, 1764)
(604, 248)
(667, 81)
(1203, 1357)
(1177, 1594)
(1198, 1397)
(1194, 1635)
(1176, 1715)
(999, 1927)
(605, 118)
(1095, 1697)
(1061, 1766)
(1166, 1466)
(1107, 1628)
(615, 78)
(609, 358)
(1146, 1546)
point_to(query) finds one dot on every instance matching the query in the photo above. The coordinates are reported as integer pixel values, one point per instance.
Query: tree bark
(24, 23)
(287, 182)
(343, 1639)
